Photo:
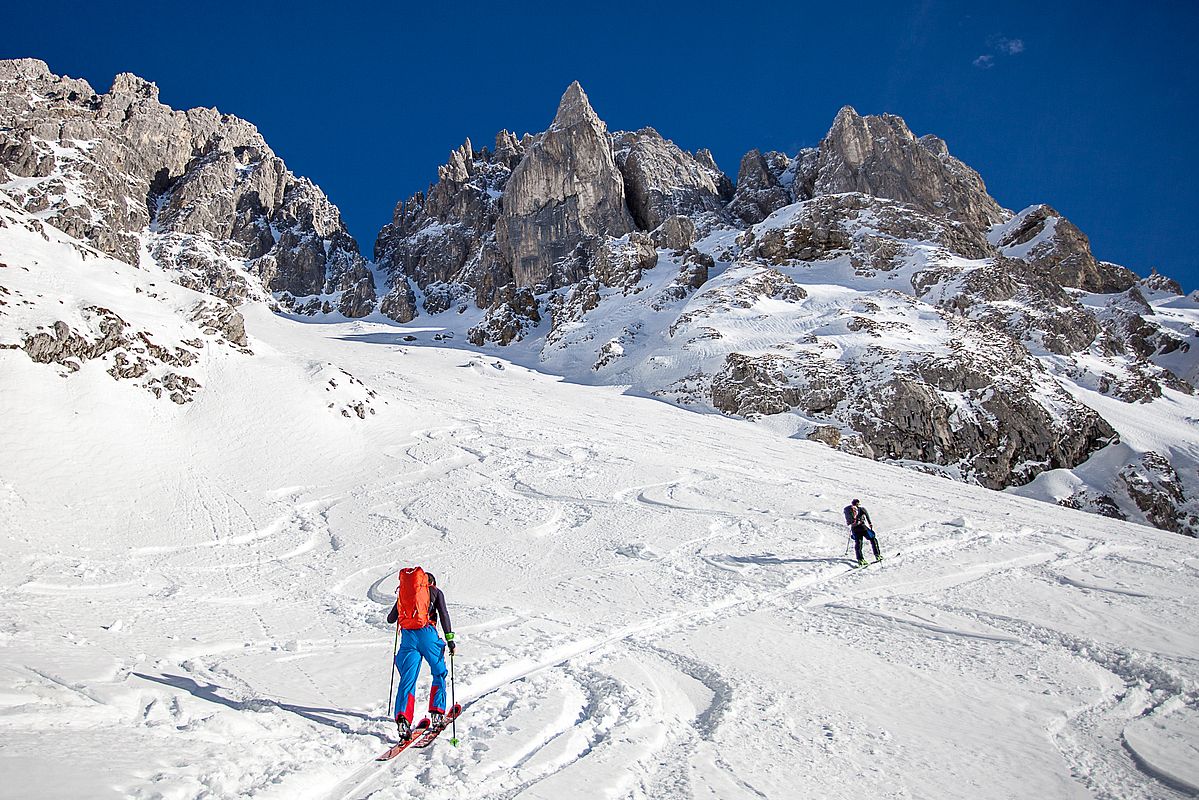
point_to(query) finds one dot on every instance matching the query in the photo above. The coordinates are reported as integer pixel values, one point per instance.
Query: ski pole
(453, 702)
(847, 541)
(394, 649)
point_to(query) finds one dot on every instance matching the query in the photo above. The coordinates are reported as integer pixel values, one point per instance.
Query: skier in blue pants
(417, 644)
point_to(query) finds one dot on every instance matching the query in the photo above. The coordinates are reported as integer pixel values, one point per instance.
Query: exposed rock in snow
(661, 180)
(148, 331)
(199, 191)
(1051, 243)
(879, 156)
(1155, 487)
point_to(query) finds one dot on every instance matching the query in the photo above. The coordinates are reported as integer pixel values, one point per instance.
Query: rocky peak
(1158, 282)
(458, 168)
(575, 109)
(25, 69)
(1042, 237)
(565, 189)
(879, 156)
(508, 148)
(129, 84)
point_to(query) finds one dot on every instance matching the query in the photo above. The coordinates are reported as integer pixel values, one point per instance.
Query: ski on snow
(422, 736)
(428, 736)
(872, 563)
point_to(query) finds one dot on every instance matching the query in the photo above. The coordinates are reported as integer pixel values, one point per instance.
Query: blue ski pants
(415, 645)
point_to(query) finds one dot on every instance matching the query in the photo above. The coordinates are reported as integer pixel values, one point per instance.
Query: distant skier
(860, 527)
(419, 606)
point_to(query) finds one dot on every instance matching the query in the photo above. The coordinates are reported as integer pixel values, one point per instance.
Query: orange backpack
(412, 604)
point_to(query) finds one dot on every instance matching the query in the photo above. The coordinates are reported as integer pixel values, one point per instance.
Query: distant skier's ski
(430, 735)
(881, 560)
(398, 748)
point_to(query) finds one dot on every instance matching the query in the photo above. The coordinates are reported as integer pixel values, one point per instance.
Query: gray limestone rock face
(197, 190)
(565, 189)
(449, 234)
(879, 156)
(767, 181)
(661, 180)
(1154, 486)
(873, 231)
(674, 233)
(1042, 237)
(619, 263)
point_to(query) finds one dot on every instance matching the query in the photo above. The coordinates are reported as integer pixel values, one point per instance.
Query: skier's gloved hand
(449, 640)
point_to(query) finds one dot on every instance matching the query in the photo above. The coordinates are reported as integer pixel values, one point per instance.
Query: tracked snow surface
(650, 603)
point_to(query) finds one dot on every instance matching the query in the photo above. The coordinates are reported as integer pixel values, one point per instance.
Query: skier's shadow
(768, 559)
(211, 693)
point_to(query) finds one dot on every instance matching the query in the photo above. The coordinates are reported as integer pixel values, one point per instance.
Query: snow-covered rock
(197, 190)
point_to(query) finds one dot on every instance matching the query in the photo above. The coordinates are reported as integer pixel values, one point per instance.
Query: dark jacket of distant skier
(419, 606)
(860, 527)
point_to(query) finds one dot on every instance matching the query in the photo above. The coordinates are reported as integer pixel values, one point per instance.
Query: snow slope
(650, 603)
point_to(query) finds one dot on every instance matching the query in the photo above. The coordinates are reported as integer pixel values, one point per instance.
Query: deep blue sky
(1090, 107)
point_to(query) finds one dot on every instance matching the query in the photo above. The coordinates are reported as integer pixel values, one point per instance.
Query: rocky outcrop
(662, 181)
(132, 354)
(198, 190)
(876, 234)
(879, 156)
(982, 411)
(566, 188)
(515, 312)
(767, 182)
(1043, 238)
(1156, 489)
(447, 236)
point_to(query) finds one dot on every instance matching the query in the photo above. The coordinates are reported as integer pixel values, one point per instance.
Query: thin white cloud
(1011, 46)
(984, 62)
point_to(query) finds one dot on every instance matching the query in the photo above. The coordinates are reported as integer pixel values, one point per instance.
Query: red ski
(428, 736)
(398, 748)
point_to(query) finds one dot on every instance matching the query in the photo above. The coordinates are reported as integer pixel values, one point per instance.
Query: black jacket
(437, 611)
(858, 516)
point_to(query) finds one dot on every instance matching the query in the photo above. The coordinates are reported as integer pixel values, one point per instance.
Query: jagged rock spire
(565, 189)
(574, 108)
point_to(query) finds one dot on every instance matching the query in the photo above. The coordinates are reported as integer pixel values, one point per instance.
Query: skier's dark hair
(432, 580)
(854, 503)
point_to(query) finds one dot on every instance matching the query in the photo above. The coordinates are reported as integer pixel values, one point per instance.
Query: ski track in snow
(651, 603)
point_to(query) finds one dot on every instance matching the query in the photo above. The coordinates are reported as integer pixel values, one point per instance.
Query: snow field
(650, 603)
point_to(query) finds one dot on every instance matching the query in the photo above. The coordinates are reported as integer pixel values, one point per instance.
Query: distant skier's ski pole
(391, 686)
